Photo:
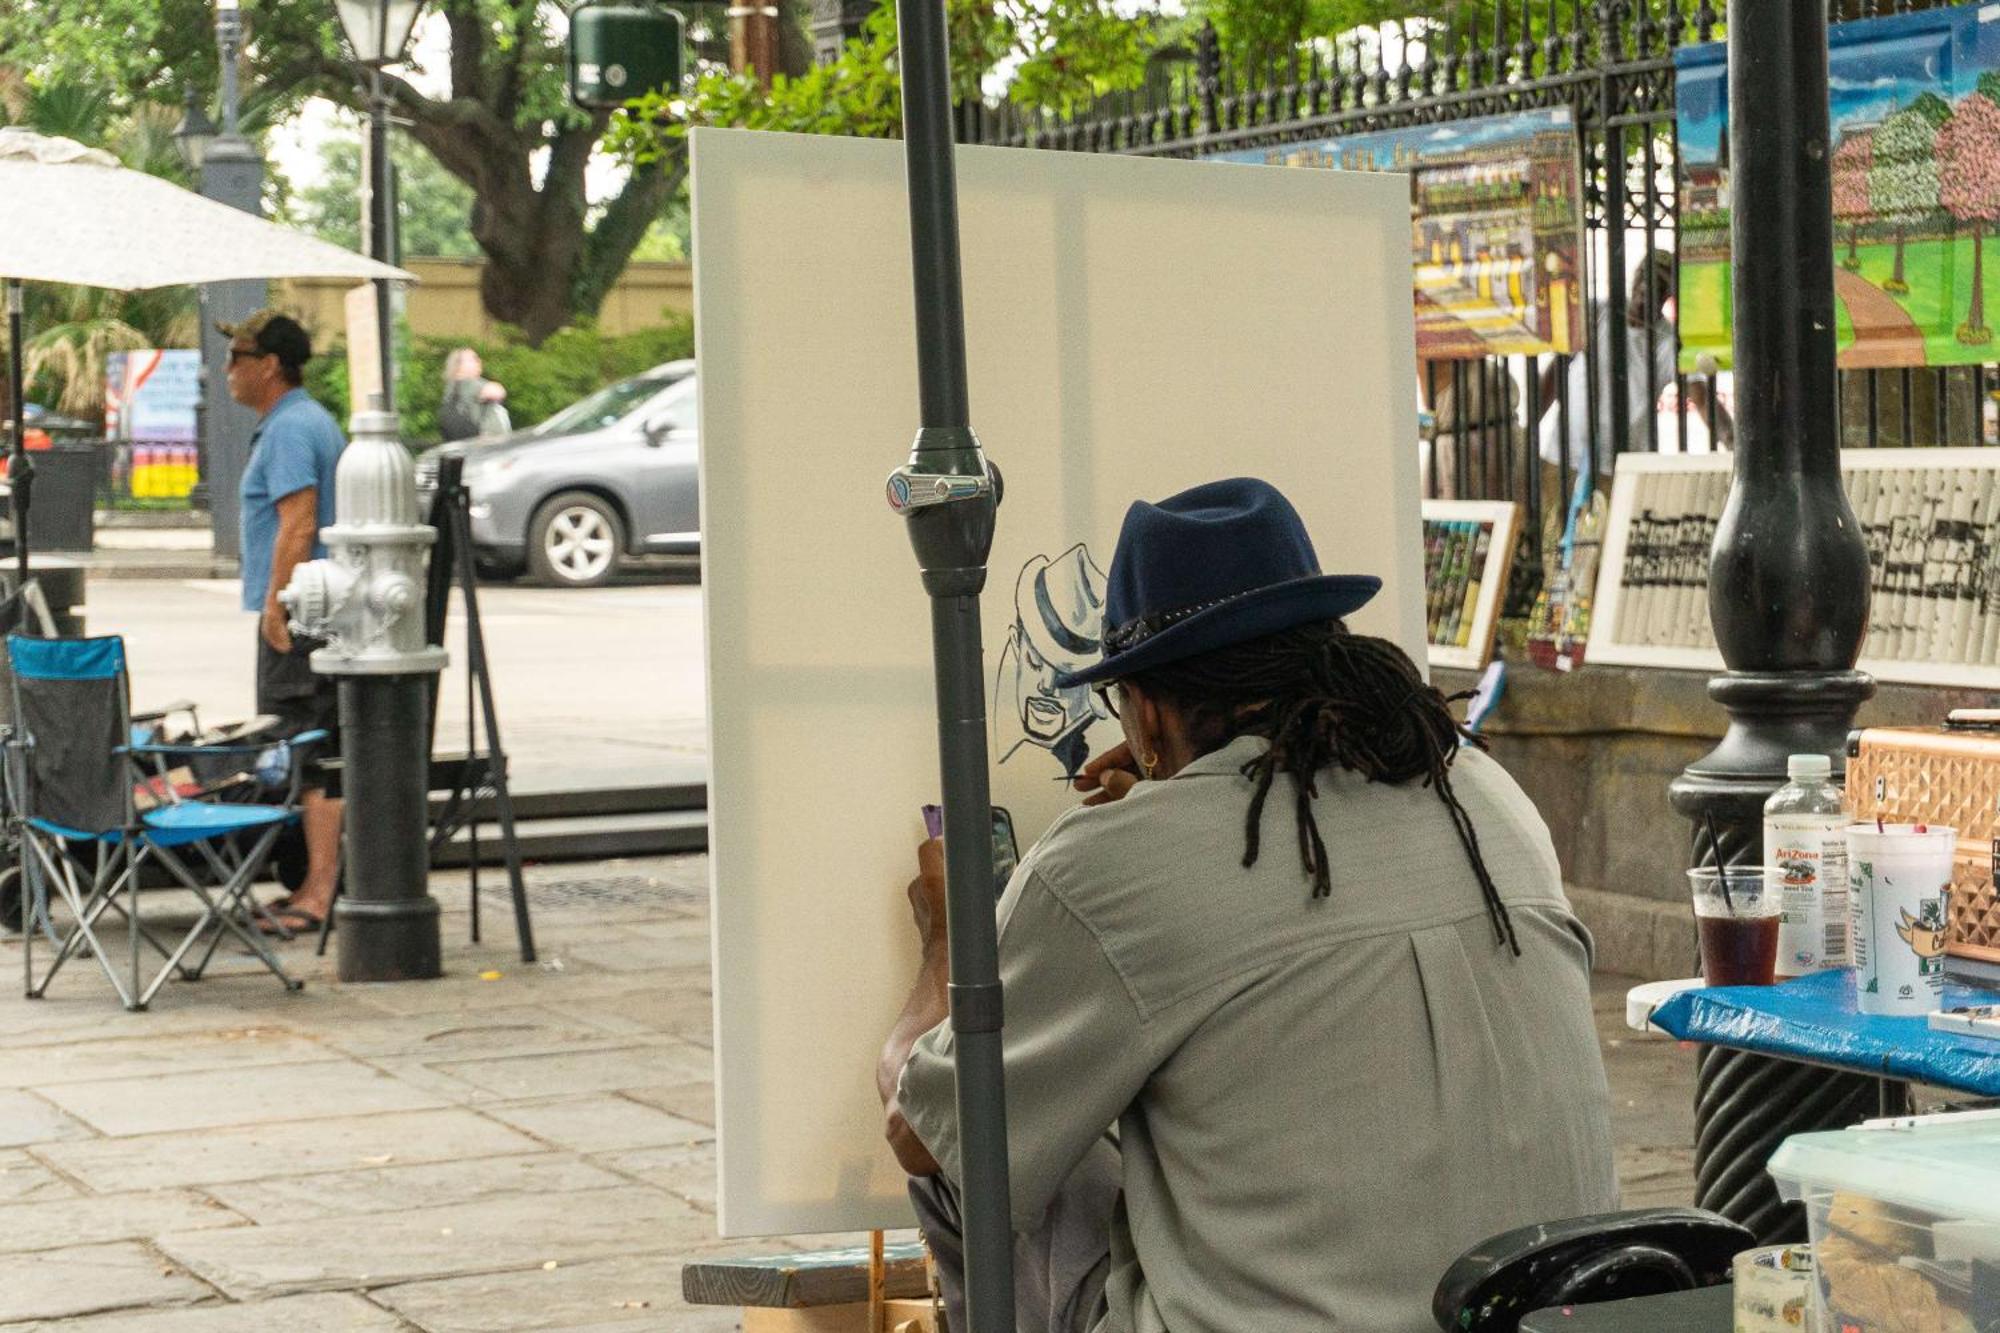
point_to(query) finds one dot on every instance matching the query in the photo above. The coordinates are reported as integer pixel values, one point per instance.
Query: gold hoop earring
(1147, 761)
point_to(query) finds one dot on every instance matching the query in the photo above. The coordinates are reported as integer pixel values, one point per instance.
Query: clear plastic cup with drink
(1737, 913)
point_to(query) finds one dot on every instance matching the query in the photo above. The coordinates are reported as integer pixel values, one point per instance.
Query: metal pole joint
(977, 1008)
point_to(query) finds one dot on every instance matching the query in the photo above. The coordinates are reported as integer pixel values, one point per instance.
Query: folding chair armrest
(177, 706)
(166, 750)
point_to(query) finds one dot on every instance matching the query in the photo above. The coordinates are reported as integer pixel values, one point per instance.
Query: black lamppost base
(395, 940)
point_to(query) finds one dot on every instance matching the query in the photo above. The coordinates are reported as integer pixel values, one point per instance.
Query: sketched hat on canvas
(1214, 566)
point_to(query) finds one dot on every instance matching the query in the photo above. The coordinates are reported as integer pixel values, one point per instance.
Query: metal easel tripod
(482, 774)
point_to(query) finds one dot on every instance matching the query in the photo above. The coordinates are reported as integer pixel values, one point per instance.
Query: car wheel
(574, 541)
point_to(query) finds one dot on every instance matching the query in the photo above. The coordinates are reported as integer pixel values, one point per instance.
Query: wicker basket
(1947, 776)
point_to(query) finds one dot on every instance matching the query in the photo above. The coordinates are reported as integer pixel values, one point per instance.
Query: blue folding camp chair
(71, 772)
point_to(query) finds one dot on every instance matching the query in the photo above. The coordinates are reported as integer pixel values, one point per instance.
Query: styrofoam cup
(1899, 889)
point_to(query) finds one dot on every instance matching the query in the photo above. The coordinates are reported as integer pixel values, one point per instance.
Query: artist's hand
(276, 631)
(927, 890)
(1109, 776)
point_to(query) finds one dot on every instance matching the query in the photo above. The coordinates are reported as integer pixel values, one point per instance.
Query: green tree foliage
(504, 129)
(1062, 55)
(433, 207)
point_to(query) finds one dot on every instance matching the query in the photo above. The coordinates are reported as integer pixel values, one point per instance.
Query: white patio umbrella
(71, 214)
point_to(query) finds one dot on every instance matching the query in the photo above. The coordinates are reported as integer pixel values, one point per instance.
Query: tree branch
(610, 243)
(468, 48)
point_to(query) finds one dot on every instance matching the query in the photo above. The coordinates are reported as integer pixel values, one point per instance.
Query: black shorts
(299, 697)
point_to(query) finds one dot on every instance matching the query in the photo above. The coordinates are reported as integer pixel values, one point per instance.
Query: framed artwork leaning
(1468, 555)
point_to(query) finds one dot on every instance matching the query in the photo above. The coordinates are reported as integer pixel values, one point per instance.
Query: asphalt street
(596, 687)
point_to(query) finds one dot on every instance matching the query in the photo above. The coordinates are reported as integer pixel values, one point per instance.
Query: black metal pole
(20, 471)
(379, 223)
(948, 496)
(1788, 575)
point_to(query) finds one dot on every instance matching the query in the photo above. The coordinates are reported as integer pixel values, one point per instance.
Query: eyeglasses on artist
(1103, 693)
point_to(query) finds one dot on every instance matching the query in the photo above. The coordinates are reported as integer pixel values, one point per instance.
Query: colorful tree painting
(1968, 157)
(1851, 162)
(1903, 179)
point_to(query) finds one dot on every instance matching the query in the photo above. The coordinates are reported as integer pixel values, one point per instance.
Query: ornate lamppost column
(1788, 575)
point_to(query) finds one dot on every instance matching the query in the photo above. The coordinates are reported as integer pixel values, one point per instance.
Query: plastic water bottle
(1805, 863)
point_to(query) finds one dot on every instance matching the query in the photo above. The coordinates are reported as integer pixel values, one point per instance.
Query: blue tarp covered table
(1813, 1019)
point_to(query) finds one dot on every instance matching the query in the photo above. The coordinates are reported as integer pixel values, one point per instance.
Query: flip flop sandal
(290, 923)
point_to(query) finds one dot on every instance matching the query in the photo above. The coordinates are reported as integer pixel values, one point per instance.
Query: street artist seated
(1304, 952)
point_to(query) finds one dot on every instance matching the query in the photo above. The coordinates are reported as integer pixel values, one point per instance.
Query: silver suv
(611, 476)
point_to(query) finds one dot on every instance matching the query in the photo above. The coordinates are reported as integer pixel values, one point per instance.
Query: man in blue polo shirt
(287, 498)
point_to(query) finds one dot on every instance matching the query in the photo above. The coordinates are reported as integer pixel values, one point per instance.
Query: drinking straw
(1715, 850)
(1878, 825)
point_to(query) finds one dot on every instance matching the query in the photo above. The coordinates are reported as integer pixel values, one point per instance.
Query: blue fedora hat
(1217, 565)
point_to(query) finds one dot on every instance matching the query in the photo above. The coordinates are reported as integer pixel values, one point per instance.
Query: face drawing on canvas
(1058, 626)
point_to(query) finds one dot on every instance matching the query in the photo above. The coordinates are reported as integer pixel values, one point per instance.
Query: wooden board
(1134, 328)
(819, 1277)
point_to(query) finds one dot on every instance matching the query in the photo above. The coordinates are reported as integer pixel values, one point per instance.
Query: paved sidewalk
(512, 1147)
(509, 1148)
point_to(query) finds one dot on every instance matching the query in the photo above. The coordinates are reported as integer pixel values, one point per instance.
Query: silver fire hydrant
(366, 599)
(366, 602)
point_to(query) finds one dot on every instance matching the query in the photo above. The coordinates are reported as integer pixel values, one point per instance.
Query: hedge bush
(540, 381)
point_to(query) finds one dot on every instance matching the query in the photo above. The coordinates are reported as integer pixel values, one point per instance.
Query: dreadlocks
(1323, 696)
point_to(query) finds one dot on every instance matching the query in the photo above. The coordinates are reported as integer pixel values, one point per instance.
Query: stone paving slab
(553, 978)
(685, 1170)
(319, 1313)
(457, 1034)
(494, 1235)
(663, 1061)
(92, 1278)
(386, 1189)
(642, 1291)
(219, 1098)
(25, 1180)
(293, 1148)
(690, 1101)
(147, 1056)
(86, 1008)
(26, 1118)
(62, 1223)
(601, 1123)
(687, 1013)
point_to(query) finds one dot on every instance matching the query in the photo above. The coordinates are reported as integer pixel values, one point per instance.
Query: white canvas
(1135, 327)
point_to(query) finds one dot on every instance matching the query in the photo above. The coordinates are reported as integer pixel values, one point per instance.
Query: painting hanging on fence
(1493, 226)
(1916, 190)
(1931, 522)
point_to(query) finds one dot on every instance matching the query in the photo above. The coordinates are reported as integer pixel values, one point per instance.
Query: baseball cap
(270, 331)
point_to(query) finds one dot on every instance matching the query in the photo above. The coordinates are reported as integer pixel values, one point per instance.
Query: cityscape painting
(1916, 190)
(1493, 223)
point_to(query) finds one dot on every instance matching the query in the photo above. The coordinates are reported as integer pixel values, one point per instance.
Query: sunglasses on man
(238, 353)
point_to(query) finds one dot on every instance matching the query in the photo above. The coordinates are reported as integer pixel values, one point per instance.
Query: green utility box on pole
(622, 49)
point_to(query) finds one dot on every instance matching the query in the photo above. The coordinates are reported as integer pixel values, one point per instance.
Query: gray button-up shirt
(1320, 1103)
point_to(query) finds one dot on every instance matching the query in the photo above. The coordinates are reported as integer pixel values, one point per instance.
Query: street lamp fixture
(195, 132)
(377, 30)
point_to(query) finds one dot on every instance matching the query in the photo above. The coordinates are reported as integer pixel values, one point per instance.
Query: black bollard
(388, 920)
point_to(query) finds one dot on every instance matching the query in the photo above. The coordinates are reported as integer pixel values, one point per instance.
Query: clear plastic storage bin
(1905, 1224)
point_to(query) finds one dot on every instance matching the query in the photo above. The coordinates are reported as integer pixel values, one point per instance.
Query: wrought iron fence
(1611, 63)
